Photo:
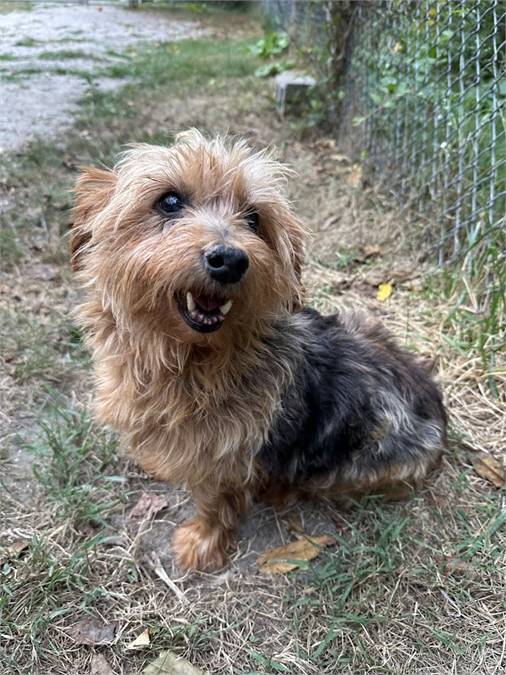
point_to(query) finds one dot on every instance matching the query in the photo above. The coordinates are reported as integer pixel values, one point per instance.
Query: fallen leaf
(451, 565)
(100, 666)
(325, 143)
(339, 158)
(148, 505)
(398, 276)
(140, 641)
(384, 291)
(287, 558)
(93, 632)
(371, 251)
(491, 469)
(168, 663)
(14, 550)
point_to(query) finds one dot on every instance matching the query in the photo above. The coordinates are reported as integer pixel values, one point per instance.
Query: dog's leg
(203, 542)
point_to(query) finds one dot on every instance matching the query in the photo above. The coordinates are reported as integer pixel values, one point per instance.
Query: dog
(216, 377)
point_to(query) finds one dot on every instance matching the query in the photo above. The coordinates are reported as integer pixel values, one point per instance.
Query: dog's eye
(172, 202)
(253, 220)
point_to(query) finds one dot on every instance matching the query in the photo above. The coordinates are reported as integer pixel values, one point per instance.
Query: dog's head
(198, 236)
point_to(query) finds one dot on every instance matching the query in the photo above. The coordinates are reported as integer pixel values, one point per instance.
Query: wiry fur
(275, 397)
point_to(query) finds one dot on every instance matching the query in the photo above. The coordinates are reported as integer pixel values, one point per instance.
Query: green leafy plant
(270, 69)
(272, 44)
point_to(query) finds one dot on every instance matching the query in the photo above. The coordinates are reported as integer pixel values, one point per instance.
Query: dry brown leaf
(451, 565)
(287, 558)
(14, 550)
(491, 469)
(100, 666)
(93, 632)
(325, 143)
(339, 158)
(140, 641)
(371, 251)
(148, 505)
(168, 663)
(399, 276)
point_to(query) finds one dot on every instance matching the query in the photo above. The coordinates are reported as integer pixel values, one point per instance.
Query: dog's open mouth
(203, 312)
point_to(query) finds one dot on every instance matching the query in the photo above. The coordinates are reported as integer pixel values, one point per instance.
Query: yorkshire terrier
(190, 262)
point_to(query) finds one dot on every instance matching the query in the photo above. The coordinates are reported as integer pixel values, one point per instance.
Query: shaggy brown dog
(190, 262)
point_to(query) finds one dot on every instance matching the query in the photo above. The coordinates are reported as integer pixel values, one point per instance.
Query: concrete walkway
(50, 55)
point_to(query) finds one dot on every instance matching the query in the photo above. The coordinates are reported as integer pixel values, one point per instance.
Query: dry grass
(416, 587)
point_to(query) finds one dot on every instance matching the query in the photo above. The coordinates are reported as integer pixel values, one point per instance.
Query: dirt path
(51, 55)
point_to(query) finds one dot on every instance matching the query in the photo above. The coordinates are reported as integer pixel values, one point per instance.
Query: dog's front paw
(198, 546)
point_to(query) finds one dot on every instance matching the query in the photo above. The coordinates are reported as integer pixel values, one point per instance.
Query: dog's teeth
(190, 302)
(225, 309)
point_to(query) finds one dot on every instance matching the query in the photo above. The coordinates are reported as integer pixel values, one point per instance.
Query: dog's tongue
(208, 302)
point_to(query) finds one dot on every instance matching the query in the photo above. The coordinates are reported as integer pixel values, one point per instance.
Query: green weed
(62, 54)
(72, 462)
(39, 350)
(186, 63)
(382, 565)
(29, 42)
(10, 249)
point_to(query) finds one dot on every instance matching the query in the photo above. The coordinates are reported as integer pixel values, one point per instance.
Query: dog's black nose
(226, 264)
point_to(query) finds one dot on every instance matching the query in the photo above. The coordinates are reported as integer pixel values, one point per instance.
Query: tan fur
(93, 189)
(176, 394)
(179, 397)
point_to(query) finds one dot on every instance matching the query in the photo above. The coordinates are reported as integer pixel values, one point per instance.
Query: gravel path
(76, 41)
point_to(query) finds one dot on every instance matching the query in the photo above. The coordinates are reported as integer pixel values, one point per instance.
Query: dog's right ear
(93, 189)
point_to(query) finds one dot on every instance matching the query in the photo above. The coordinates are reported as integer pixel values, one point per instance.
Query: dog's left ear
(93, 190)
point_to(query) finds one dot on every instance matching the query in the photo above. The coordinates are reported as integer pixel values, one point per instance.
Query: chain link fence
(422, 91)
(416, 92)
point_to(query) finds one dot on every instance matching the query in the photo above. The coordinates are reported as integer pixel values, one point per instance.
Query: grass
(408, 588)
(185, 64)
(71, 463)
(387, 567)
(10, 250)
(18, 6)
(63, 54)
(29, 42)
(26, 73)
(39, 350)
(478, 289)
